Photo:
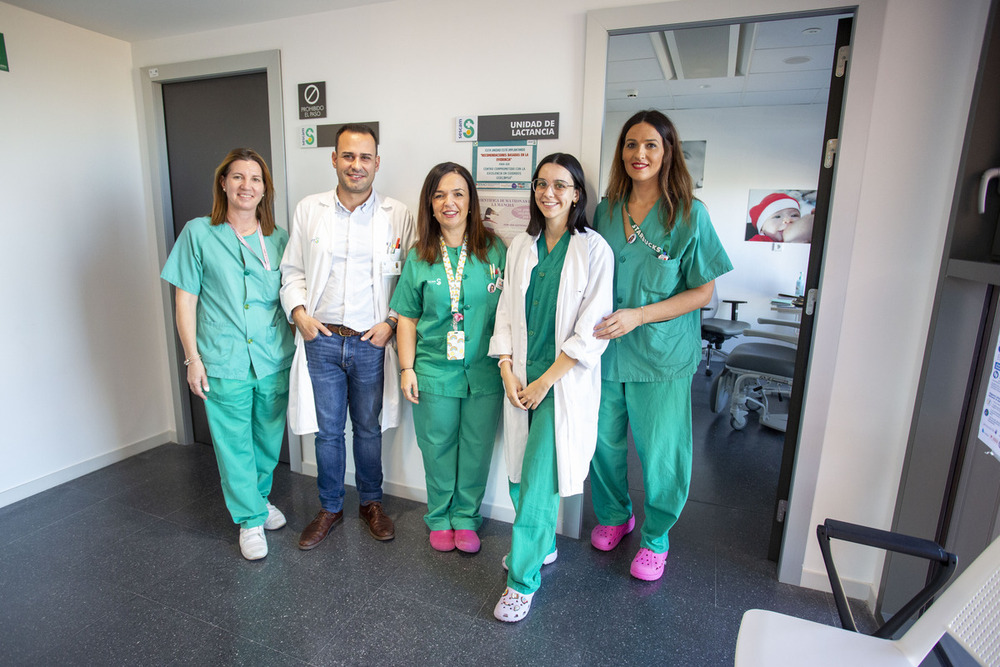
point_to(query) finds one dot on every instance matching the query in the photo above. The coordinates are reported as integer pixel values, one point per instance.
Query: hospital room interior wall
(415, 66)
(84, 367)
(747, 148)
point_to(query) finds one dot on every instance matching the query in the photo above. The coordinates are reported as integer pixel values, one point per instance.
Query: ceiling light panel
(700, 53)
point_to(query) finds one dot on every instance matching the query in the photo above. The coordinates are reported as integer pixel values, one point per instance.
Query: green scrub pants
(456, 437)
(660, 416)
(247, 422)
(536, 502)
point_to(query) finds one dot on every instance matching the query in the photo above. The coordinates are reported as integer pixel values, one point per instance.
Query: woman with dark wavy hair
(559, 275)
(447, 299)
(667, 257)
(237, 345)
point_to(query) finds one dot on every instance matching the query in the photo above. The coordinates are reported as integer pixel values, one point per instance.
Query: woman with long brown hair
(667, 257)
(237, 346)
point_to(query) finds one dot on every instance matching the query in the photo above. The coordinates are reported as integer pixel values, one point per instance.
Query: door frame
(869, 23)
(152, 78)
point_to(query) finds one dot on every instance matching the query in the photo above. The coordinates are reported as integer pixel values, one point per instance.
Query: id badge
(456, 345)
(392, 264)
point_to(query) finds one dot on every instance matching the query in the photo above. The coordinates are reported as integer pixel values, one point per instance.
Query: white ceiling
(139, 20)
(758, 64)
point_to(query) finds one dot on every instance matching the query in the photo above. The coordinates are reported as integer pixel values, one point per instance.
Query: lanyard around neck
(454, 278)
(638, 232)
(264, 259)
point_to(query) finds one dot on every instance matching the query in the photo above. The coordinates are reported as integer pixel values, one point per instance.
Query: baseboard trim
(858, 590)
(27, 489)
(488, 510)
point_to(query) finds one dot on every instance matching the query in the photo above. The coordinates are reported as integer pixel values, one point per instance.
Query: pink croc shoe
(648, 565)
(607, 538)
(467, 541)
(443, 540)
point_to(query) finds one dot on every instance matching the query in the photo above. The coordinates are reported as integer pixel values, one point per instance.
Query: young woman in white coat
(558, 287)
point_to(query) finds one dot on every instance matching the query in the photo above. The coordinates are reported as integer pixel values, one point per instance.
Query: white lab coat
(584, 297)
(305, 269)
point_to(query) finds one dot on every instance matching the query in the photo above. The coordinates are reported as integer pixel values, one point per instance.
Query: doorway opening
(760, 98)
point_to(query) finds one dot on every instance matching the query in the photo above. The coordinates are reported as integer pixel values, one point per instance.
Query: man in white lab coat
(344, 255)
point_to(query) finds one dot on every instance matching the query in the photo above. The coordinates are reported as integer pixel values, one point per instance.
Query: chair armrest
(734, 314)
(943, 562)
(780, 323)
(757, 333)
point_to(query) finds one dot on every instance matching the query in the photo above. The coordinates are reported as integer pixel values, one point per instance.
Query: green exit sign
(4, 67)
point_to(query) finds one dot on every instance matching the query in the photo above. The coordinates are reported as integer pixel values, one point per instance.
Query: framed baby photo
(780, 216)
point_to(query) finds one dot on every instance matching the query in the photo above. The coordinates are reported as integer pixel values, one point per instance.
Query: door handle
(984, 184)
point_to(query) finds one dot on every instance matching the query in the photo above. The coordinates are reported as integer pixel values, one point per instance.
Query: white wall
(748, 148)
(84, 362)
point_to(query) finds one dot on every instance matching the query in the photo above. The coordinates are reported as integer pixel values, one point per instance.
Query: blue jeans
(347, 373)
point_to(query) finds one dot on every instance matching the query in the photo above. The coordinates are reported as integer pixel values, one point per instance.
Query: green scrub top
(659, 350)
(540, 306)
(240, 320)
(422, 294)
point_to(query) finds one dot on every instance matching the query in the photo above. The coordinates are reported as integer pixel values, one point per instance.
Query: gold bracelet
(192, 359)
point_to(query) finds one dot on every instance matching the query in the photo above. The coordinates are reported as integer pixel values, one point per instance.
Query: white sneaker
(512, 606)
(275, 519)
(253, 544)
(551, 558)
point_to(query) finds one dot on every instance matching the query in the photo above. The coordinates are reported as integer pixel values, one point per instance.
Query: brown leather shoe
(379, 523)
(318, 529)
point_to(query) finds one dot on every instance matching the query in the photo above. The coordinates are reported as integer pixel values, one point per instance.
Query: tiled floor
(138, 564)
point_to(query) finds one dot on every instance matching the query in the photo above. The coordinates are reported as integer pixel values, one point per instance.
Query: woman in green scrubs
(446, 298)
(237, 345)
(559, 282)
(667, 257)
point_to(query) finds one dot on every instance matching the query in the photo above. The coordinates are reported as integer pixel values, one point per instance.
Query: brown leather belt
(341, 330)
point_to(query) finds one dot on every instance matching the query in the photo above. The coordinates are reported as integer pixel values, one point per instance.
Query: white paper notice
(989, 418)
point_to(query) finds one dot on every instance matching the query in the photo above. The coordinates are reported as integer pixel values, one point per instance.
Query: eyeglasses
(541, 185)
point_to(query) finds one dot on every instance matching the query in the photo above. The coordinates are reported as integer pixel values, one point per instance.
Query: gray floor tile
(138, 563)
(398, 630)
(43, 509)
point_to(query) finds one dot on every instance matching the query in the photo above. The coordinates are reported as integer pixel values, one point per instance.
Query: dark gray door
(834, 111)
(204, 120)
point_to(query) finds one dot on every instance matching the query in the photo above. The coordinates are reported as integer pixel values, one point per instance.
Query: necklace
(636, 232)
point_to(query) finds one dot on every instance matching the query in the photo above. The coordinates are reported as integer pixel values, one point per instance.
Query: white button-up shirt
(349, 296)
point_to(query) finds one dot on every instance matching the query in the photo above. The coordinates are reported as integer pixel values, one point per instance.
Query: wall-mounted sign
(307, 136)
(518, 126)
(503, 164)
(312, 100)
(465, 128)
(505, 212)
(989, 416)
(4, 67)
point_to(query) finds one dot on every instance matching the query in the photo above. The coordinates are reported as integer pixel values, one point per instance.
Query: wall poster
(780, 216)
(503, 170)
